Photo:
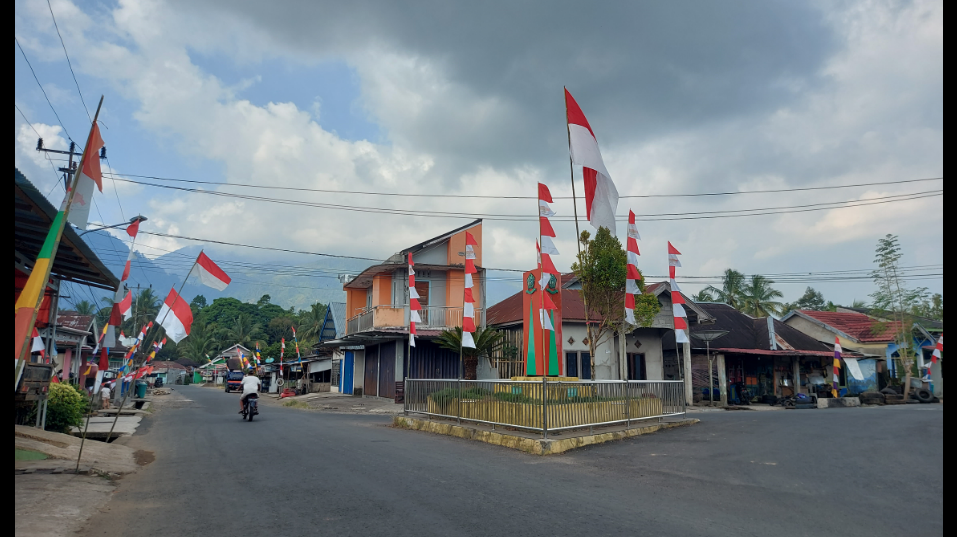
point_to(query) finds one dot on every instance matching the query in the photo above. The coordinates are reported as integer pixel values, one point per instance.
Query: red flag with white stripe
(209, 273)
(175, 316)
(601, 196)
(90, 176)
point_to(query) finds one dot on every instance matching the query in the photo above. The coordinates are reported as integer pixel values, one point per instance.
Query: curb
(532, 446)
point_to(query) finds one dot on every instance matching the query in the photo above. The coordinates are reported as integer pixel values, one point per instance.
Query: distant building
(377, 314)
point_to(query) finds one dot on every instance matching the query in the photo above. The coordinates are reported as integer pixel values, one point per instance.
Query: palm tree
(243, 331)
(487, 341)
(310, 324)
(732, 289)
(85, 307)
(759, 299)
(200, 343)
(703, 296)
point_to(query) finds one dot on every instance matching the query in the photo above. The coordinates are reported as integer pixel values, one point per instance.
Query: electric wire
(478, 196)
(68, 62)
(24, 54)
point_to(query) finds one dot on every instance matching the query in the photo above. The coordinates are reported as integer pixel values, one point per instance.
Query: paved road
(848, 472)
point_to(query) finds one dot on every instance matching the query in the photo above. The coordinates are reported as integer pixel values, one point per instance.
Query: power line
(477, 196)
(45, 155)
(41, 88)
(524, 218)
(69, 64)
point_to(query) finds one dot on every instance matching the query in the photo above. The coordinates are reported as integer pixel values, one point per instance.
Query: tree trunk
(591, 348)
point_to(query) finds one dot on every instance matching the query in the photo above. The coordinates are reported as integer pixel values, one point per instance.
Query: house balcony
(390, 316)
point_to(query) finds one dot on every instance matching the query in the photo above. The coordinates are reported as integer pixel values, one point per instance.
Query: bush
(65, 408)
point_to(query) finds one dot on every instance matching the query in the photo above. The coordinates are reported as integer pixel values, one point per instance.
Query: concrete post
(689, 389)
(622, 354)
(722, 379)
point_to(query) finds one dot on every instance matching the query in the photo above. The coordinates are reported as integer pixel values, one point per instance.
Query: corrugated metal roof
(75, 261)
(74, 321)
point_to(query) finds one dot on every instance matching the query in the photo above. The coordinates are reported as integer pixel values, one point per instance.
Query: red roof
(857, 325)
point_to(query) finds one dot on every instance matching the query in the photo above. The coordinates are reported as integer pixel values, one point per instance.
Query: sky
(440, 98)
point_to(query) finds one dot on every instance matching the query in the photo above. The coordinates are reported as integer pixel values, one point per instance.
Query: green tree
(601, 268)
(487, 341)
(198, 303)
(732, 289)
(85, 307)
(810, 300)
(759, 297)
(310, 322)
(263, 300)
(201, 342)
(243, 331)
(703, 296)
(893, 300)
(280, 327)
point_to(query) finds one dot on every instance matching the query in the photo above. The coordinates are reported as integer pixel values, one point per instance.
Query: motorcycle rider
(251, 385)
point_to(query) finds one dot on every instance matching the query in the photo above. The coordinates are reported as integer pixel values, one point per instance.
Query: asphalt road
(847, 472)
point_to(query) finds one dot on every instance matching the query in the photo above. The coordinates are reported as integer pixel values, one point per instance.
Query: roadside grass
(296, 404)
(29, 455)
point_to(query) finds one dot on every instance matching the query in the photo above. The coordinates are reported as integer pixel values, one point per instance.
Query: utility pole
(71, 168)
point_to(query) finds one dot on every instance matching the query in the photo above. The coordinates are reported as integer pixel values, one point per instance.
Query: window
(422, 288)
(571, 364)
(578, 361)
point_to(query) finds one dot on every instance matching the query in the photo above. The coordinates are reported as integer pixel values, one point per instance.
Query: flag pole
(142, 361)
(571, 170)
(33, 292)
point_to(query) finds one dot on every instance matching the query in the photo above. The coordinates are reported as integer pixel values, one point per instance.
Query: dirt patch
(143, 457)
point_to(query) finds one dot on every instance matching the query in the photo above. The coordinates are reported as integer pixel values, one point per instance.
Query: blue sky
(463, 100)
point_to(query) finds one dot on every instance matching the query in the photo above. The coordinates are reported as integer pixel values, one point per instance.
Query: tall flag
(175, 316)
(547, 249)
(938, 351)
(633, 276)
(468, 301)
(90, 175)
(258, 355)
(601, 196)
(209, 273)
(122, 303)
(37, 344)
(836, 375)
(414, 306)
(282, 352)
(677, 300)
(296, 341)
(31, 297)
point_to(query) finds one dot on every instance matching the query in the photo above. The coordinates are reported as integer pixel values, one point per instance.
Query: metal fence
(545, 406)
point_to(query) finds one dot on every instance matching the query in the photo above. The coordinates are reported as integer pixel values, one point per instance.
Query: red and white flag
(601, 196)
(468, 301)
(677, 300)
(37, 343)
(938, 350)
(633, 276)
(209, 273)
(90, 176)
(175, 316)
(413, 301)
(126, 307)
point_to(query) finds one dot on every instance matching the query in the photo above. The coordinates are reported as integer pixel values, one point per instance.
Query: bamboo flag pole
(31, 298)
(142, 361)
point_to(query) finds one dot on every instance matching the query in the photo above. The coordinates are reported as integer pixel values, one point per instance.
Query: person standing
(105, 394)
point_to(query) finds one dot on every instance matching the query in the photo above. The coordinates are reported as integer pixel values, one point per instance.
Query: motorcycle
(250, 406)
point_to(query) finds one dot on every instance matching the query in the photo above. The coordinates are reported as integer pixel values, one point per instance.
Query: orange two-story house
(377, 312)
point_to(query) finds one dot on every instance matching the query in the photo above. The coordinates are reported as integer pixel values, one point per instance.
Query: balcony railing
(435, 317)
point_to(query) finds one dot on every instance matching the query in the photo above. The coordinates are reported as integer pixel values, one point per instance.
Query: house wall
(358, 369)
(606, 360)
(456, 244)
(381, 289)
(650, 345)
(355, 301)
(433, 255)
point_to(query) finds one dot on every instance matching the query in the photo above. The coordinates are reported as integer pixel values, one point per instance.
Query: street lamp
(137, 218)
(708, 336)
